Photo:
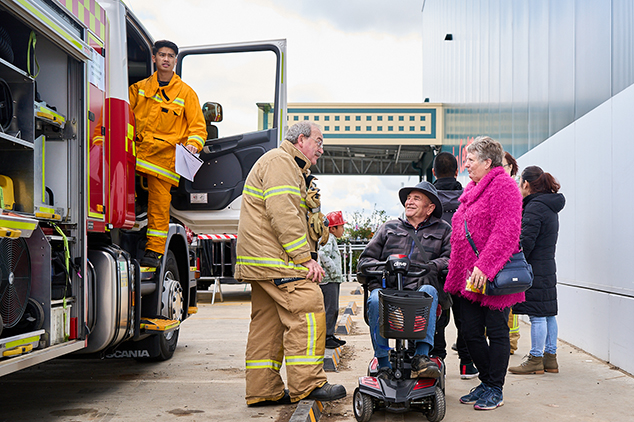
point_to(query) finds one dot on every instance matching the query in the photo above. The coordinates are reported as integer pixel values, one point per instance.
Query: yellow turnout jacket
(273, 238)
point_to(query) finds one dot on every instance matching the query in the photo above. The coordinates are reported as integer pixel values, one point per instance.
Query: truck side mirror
(212, 112)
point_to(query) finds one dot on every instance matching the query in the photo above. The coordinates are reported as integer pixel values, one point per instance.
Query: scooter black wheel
(363, 406)
(437, 412)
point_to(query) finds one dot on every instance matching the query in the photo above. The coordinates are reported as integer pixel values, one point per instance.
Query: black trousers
(490, 357)
(440, 344)
(463, 352)
(331, 305)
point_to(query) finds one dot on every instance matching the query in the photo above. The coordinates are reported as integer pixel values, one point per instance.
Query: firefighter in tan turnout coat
(276, 254)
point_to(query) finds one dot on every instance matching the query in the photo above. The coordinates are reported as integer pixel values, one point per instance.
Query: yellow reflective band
(263, 364)
(157, 98)
(250, 190)
(312, 333)
(179, 101)
(304, 360)
(198, 139)
(141, 92)
(279, 190)
(291, 246)
(130, 131)
(157, 233)
(18, 225)
(268, 262)
(144, 165)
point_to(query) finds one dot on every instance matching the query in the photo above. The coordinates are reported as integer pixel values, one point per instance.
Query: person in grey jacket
(330, 260)
(423, 212)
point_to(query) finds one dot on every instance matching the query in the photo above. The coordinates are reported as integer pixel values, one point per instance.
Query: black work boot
(328, 392)
(423, 367)
(151, 259)
(286, 399)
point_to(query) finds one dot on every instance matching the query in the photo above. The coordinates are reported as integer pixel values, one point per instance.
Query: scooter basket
(404, 314)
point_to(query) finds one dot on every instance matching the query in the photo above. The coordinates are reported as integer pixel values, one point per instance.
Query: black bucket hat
(429, 190)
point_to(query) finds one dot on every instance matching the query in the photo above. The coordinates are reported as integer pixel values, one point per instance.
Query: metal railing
(348, 252)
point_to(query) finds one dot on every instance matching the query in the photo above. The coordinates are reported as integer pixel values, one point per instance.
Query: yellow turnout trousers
(514, 331)
(286, 322)
(158, 213)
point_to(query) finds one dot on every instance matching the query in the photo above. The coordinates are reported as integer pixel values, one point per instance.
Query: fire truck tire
(166, 342)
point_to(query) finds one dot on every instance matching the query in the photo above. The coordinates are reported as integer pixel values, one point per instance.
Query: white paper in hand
(187, 164)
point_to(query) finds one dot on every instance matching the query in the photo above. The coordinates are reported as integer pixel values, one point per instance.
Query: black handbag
(515, 277)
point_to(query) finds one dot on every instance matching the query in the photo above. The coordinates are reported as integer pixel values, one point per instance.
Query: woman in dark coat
(540, 228)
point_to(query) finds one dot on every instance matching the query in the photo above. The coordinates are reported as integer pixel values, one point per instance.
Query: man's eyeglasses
(320, 143)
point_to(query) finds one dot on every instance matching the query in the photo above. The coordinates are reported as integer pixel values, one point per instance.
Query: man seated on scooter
(422, 218)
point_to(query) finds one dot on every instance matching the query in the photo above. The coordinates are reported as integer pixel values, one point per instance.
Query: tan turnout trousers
(286, 322)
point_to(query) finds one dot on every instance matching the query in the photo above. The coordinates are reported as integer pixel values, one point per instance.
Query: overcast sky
(366, 51)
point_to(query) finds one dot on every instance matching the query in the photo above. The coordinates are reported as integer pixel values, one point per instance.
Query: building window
(379, 118)
(390, 128)
(347, 128)
(412, 128)
(336, 118)
(326, 128)
(327, 118)
(296, 118)
(411, 118)
(316, 118)
(368, 128)
(401, 128)
(422, 128)
(357, 128)
(368, 118)
(379, 128)
(336, 128)
(358, 118)
(390, 118)
(347, 118)
(401, 118)
(305, 117)
(422, 118)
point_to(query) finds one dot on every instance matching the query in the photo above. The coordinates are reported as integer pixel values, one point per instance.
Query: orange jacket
(165, 116)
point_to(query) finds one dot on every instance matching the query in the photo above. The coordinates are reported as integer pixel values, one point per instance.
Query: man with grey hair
(276, 253)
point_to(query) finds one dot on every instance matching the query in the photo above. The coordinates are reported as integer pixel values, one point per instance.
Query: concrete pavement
(205, 381)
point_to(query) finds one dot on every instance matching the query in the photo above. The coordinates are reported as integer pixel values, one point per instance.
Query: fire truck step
(159, 324)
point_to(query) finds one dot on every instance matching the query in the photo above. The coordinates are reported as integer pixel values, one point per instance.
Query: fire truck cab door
(243, 88)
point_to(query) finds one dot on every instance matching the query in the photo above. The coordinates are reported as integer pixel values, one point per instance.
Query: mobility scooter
(403, 315)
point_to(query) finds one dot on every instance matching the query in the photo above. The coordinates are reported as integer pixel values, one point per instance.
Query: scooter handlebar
(364, 268)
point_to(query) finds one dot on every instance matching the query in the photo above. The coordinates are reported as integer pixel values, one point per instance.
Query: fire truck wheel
(172, 307)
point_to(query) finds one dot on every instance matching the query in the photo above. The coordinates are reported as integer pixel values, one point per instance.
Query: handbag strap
(466, 230)
(423, 252)
(468, 235)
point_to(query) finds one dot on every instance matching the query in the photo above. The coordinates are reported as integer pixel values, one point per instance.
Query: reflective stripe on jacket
(273, 238)
(165, 116)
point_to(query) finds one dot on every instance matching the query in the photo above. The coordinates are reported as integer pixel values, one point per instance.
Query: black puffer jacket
(393, 238)
(540, 228)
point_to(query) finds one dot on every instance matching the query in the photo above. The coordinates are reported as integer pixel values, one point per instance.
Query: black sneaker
(331, 343)
(286, 399)
(423, 367)
(328, 392)
(151, 259)
(338, 340)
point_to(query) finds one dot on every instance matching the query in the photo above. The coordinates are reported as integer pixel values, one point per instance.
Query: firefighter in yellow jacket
(276, 254)
(167, 112)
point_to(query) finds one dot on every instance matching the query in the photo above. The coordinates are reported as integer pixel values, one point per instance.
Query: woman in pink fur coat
(492, 206)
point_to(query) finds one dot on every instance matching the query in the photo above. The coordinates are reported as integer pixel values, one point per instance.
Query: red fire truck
(72, 220)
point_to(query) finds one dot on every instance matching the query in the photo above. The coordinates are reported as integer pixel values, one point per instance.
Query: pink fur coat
(493, 210)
